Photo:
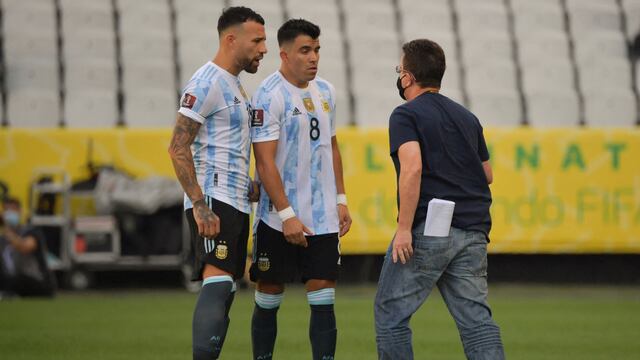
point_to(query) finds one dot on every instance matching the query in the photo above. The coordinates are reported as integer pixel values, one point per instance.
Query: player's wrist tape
(286, 214)
(341, 199)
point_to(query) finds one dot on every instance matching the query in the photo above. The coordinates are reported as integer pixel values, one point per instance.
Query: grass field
(538, 322)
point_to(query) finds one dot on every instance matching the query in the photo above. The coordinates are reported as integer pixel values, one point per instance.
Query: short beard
(250, 68)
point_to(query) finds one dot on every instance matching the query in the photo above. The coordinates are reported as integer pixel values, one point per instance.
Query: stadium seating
(89, 55)
(146, 40)
(544, 62)
(632, 10)
(372, 70)
(31, 66)
(613, 107)
(28, 107)
(197, 34)
(550, 107)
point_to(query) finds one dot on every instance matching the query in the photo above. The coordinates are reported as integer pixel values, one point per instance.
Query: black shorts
(228, 251)
(277, 261)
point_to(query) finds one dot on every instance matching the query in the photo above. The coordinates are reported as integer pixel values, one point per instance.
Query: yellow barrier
(555, 191)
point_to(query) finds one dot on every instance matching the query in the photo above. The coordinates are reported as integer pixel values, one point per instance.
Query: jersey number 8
(314, 132)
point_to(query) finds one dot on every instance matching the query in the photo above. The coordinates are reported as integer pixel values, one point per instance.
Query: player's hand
(344, 218)
(402, 247)
(254, 191)
(294, 231)
(208, 222)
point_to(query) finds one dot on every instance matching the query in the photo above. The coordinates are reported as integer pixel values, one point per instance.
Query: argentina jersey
(303, 122)
(221, 150)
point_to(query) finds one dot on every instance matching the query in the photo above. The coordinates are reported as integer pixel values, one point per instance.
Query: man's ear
(283, 55)
(228, 38)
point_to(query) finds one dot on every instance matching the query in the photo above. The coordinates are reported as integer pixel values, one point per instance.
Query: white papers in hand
(439, 216)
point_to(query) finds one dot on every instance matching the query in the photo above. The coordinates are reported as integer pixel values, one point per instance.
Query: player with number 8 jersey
(303, 122)
(302, 210)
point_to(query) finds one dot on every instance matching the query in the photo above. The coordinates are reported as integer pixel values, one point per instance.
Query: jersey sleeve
(198, 100)
(268, 112)
(483, 151)
(402, 129)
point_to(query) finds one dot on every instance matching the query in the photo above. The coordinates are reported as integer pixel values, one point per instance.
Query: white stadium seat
(152, 74)
(548, 107)
(615, 73)
(557, 75)
(487, 48)
(33, 108)
(599, 16)
(418, 23)
(29, 18)
(145, 107)
(91, 75)
(374, 106)
(423, 5)
(86, 47)
(543, 47)
(479, 17)
(322, 13)
(33, 74)
(600, 47)
(632, 12)
(90, 108)
(537, 16)
(29, 46)
(614, 107)
(82, 19)
(496, 108)
(498, 74)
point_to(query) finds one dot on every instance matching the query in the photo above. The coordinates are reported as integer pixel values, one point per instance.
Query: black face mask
(400, 88)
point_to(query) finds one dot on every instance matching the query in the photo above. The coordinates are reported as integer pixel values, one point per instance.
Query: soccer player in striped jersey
(210, 151)
(304, 210)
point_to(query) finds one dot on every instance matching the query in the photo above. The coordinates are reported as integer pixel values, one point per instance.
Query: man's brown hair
(425, 60)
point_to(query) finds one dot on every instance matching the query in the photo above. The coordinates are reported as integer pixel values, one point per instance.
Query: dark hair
(10, 201)
(425, 60)
(293, 28)
(237, 15)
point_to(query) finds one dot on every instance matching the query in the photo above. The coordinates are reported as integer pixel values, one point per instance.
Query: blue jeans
(457, 264)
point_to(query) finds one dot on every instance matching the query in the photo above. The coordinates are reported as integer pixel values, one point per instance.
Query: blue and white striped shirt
(222, 149)
(303, 122)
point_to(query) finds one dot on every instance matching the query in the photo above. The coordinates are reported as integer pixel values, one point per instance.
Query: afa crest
(221, 251)
(263, 263)
(325, 106)
(308, 104)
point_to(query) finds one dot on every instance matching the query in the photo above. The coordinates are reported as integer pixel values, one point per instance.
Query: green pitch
(538, 322)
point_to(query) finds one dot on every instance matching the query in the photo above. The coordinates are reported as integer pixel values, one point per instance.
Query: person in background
(23, 268)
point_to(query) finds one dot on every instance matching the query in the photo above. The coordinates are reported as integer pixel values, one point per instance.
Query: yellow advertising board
(555, 190)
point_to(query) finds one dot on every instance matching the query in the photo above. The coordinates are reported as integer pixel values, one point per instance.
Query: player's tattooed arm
(184, 134)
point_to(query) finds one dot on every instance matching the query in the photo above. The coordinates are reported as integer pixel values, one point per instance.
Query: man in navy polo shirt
(438, 150)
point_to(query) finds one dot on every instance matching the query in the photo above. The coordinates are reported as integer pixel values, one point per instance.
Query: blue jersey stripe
(275, 82)
(268, 83)
(317, 202)
(290, 171)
